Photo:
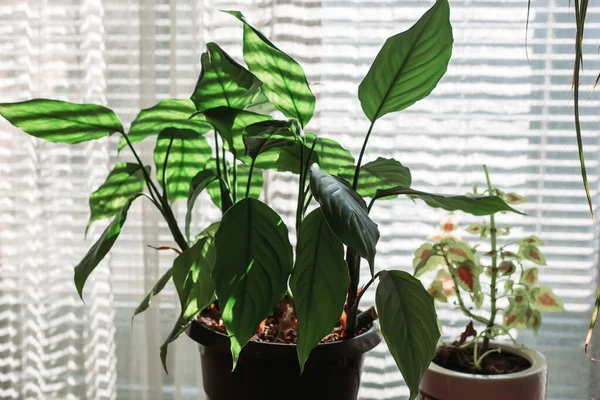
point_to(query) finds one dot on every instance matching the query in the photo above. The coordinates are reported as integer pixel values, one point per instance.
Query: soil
(461, 360)
(281, 327)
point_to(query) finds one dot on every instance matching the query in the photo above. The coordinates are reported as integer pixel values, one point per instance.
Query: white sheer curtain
(493, 107)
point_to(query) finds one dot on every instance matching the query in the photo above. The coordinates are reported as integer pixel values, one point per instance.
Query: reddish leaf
(507, 268)
(465, 274)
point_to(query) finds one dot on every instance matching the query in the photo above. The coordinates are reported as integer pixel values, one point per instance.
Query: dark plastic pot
(270, 370)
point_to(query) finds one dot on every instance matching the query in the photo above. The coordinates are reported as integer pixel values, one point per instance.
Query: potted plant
(475, 366)
(272, 320)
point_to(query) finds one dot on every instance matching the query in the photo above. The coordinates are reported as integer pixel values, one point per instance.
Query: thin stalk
(217, 154)
(493, 289)
(164, 171)
(300, 202)
(353, 261)
(225, 169)
(485, 354)
(307, 204)
(149, 184)
(360, 157)
(250, 177)
(234, 184)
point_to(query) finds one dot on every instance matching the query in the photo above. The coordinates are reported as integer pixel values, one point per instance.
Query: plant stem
(300, 202)
(164, 171)
(250, 177)
(149, 184)
(234, 185)
(353, 261)
(360, 157)
(494, 309)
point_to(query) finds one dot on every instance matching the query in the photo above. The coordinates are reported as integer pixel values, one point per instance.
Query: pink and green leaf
(529, 277)
(546, 301)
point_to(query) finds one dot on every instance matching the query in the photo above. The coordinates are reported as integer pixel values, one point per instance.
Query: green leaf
(529, 277)
(125, 180)
(332, 156)
(166, 114)
(319, 283)
(266, 135)
(533, 254)
(188, 154)
(381, 174)
(286, 158)
(195, 288)
(408, 324)
(284, 82)
(426, 260)
(514, 198)
(409, 65)
(197, 185)
(475, 205)
(60, 121)
(160, 284)
(223, 82)
(251, 280)
(102, 246)
(230, 123)
(532, 241)
(547, 301)
(436, 290)
(346, 213)
(242, 181)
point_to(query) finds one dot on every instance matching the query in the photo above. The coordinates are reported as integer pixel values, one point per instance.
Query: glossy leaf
(188, 153)
(319, 283)
(547, 301)
(381, 174)
(243, 170)
(284, 82)
(124, 181)
(223, 82)
(195, 288)
(60, 121)
(230, 123)
(197, 185)
(476, 205)
(287, 158)
(332, 156)
(251, 280)
(102, 246)
(408, 323)
(166, 114)
(158, 287)
(346, 213)
(266, 135)
(409, 65)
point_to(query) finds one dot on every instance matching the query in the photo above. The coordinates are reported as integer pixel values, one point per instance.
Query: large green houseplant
(244, 264)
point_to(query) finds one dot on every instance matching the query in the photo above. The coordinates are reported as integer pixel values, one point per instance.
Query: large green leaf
(346, 213)
(319, 283)
(188, 153)
(331, 154)
(409, 65)
(230, 123)
(223, 82)
(102, 246)
(287, 158)
(125, 180)
(284, 82)
(243, 171)
(383, 173)
(60, 121)
(408, 324)
(158, 287)
(195, 288)
(251, 277)
(166, 114)
(476, 205)
(197, 185)
(265, 135)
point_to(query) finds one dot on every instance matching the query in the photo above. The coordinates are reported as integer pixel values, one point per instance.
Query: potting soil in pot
(461, 360)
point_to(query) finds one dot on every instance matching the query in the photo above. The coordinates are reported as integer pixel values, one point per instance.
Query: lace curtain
(494, 106)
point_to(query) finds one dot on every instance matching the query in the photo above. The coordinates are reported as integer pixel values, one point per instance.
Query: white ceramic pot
(443, 384)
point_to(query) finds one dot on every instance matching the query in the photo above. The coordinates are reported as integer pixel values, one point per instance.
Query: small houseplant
(463, 368)
(240, 275)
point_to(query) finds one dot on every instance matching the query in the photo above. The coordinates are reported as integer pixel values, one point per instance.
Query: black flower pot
(268, 371)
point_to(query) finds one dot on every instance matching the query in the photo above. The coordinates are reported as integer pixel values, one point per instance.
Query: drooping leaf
(60, 121)
(534, 320)
(332, 156)
(426, 260)
(507, 268)
(125, 180)
(468, 276)
(197, 185)
(266, 135)
(381, 174)
(520, 298)
(529, 277)
(284, 82)
(243, 170)
(195, 288)
(209, 231)
(319, 283)
(188, 153)
(102, 246)
(230, 123)
(223, 82)
(533, 254)
(408, 324)
(251, 280)
(514, 317)
(547, 301)
(409, 65)
(475, 205)
(166, 114)
(436, 290)
(158, 287)
(346, 213)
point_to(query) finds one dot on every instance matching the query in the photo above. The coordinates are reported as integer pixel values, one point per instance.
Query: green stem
(250, 177)
(360, 157)
(164, 171)
(149, 184)
(493, 290)
(353, 261)
(234, 186)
